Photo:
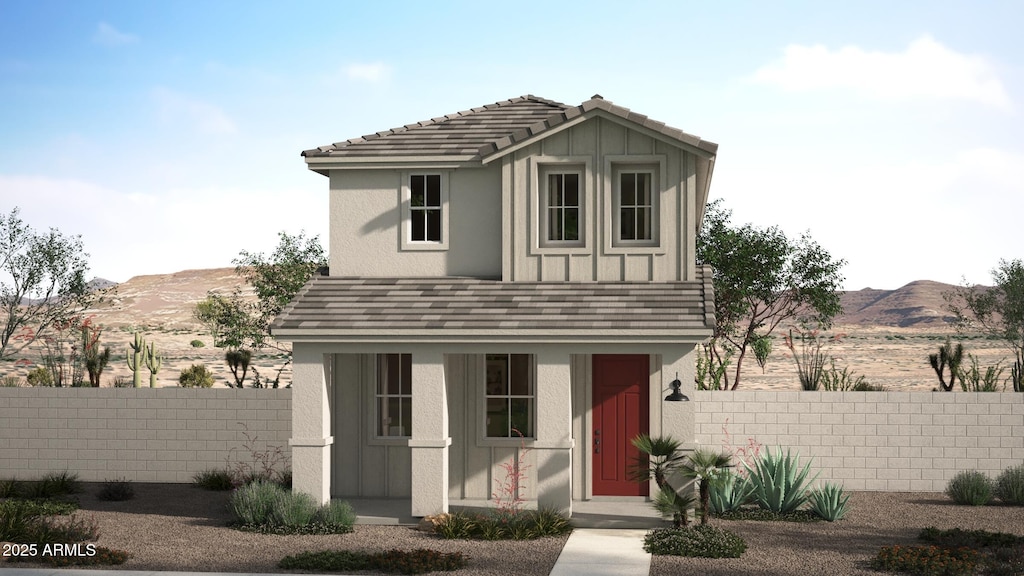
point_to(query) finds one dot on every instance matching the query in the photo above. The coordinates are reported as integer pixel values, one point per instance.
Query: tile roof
(487, 130)
(339, 308)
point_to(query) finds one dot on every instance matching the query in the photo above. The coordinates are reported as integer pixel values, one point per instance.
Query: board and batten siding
(592, 142)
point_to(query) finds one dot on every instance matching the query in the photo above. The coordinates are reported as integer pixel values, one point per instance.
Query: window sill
(424, 246)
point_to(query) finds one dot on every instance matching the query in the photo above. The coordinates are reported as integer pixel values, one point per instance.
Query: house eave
(324, 164)
(390, 336)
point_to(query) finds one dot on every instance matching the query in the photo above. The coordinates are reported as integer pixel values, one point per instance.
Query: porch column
(430, 439)
(311, 423)
(554, 432)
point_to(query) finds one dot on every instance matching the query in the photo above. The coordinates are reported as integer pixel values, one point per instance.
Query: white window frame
(540, 169)
(483, 438)
(615, 166)
(377, 396)
(406, 199)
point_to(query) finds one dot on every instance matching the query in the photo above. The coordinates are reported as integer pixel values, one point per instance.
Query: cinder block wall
(140, 434)
(892, 441)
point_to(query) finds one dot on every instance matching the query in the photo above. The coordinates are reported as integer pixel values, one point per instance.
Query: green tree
(997, 312)
(762, 279)
(229, 318)
(42, 282)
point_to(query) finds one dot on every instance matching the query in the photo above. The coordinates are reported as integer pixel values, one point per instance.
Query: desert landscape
(884, 335)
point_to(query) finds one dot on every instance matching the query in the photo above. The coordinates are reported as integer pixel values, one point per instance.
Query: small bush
(764, 515)
(39, 376)
(704, 541)
(196, 376)
(959, 538)
(416, 561)
(519, 525)
(10, 382)
(38, 507)
(10, 488)
(926, 560)
(116, 491)
(218, 480)
(197, 343)
(123, 382)
(266, 507)
(53, 485)
(970, 487)
(1010, 486)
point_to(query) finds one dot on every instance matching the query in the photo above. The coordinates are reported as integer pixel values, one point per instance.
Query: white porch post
(554, 432)
(430, 440)
(311, 424)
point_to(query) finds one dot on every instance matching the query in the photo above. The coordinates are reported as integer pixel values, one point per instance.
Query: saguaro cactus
(153, 362)
(947, 356)
(135, 359)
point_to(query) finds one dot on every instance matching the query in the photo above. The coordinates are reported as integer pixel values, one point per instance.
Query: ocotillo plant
(947, 356)
(135, 359)
(153, 362)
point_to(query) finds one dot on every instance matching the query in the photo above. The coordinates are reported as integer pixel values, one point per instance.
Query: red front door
(621, 411)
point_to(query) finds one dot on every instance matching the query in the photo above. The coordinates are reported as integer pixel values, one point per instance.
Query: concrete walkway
(603, 552)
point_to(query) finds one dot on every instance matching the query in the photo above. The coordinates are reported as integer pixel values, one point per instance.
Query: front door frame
(646, 405)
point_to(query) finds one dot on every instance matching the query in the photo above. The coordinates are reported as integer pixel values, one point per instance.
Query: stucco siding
(366, 225)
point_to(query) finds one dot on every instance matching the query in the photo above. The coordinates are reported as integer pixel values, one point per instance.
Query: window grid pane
(394, 396)
(635, 206)
(425, 207)
(563, 207)
(510, 397)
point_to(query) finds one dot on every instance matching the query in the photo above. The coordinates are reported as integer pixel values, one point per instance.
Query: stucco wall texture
(891, 441)
(141, 435)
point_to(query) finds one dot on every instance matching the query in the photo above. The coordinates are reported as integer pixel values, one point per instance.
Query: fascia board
(492, 336)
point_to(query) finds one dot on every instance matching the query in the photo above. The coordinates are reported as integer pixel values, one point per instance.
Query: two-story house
(526, 268)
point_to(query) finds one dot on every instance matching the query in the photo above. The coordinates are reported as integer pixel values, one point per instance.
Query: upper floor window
(509, 396)
(424, 211)
(425, 207)
(394, 395)
(636, 207)
(563, 207)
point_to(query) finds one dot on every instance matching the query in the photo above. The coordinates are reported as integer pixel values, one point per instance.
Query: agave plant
(779, 484)
(728, 491)
(829, 502)
(702, 466)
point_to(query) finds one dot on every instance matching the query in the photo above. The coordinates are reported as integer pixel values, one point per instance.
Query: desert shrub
(779, 484)
(926, 560)
(39, 376)
(728, 491)
(197, 343)
(23, 523)
(416, 561)
(10, 382)
(970, 487)
(829, 502)
(10, 488)
(704, 541)
(1010, 485)
(518, 525)
(218, 480)
(196, 376)
(265, 506)
(123, 382)
(53, 485)
(116, 491)
(959, 538)
(38, 507)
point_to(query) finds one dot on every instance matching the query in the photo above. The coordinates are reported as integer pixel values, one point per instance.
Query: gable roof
(339, 309)
(487, 132)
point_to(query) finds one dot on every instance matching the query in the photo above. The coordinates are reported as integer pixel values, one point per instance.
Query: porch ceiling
(338, 308)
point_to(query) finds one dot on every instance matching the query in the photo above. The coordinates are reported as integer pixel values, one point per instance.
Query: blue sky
(168, 134)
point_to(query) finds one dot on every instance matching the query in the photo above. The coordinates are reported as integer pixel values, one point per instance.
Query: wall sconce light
(676, 395)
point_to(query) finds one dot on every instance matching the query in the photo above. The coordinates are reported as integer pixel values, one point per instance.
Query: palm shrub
(970, 487)
(779, 484)
(829, 502)
(728, 491)
(660, 457)
(1010, 485)
(702, 466)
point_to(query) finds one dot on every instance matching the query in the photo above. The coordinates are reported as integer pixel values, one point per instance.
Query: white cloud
(109, 36)
(175, 109)
(374, 72)
(925, 70)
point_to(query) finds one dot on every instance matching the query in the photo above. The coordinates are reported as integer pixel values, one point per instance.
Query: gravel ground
(180, 527)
